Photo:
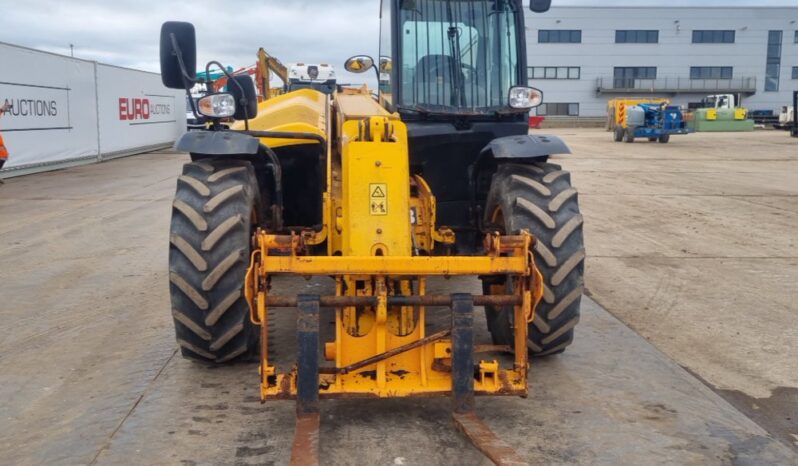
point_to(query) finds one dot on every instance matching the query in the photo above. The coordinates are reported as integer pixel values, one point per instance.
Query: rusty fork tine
(305, 451)
(486, 441)
(465, 419)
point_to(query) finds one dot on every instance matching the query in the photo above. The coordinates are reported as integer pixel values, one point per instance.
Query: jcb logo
(134, 109)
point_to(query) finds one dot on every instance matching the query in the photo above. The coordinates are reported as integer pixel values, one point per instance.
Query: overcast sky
(125, 32)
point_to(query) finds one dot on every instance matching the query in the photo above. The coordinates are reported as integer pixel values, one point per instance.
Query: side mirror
(242, 88)
(539, 6)
(359, 64)
(386, 65)
(178, 54)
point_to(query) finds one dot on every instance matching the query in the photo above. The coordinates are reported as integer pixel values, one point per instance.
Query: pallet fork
(305, 449)
(450, 353)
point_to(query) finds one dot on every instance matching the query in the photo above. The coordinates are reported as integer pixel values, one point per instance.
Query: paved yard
(690, 244)
(693, 245)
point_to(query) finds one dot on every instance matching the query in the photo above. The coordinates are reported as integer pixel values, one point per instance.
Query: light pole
(72, 50)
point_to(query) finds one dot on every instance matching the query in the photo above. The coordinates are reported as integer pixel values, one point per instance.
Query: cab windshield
(457, 56)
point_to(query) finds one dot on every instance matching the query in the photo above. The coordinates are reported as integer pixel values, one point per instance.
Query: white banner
(53, 115)
(65, 109)
(136, 110)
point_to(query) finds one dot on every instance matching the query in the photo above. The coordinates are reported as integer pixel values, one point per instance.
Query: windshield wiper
(454, 45)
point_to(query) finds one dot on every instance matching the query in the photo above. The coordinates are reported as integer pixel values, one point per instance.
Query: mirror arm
(230, 79)
(188, 81)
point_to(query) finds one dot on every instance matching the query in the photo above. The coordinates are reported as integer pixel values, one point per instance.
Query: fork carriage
(381, 348)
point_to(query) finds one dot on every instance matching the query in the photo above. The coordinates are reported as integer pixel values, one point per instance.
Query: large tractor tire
(539, 198)
(215, 207)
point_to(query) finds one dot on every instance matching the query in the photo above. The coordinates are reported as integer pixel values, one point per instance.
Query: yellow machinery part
(377, 218)
(740, 113)
(377, 238)
(301, 111)
(376, 190)
(267, 65)
(616, 109)
(362, 333)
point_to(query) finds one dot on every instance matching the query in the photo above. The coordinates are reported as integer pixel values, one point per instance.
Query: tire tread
(209, 249)
(552, 216)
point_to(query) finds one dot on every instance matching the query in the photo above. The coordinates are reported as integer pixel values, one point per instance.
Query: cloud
(125, 32)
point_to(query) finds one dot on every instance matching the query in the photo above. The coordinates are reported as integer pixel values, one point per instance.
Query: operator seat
(433, 80)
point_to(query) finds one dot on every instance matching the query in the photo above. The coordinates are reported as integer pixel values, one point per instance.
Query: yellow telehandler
(436, 176)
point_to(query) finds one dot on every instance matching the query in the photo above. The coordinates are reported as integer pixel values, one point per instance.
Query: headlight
(525, 97)
(217, 105)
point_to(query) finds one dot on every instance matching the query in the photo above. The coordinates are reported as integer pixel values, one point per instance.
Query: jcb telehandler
(437, 176)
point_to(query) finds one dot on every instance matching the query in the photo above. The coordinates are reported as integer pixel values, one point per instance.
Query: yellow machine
(436, 178)
(267, 65)
(616, 110)
(369, 251)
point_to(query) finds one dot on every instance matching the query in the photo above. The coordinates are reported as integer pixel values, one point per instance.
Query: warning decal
(378, 203)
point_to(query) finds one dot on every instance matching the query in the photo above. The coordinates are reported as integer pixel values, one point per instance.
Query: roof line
(23, 47)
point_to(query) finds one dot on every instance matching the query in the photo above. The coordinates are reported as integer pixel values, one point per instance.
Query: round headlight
(523, 97)
(217, 105)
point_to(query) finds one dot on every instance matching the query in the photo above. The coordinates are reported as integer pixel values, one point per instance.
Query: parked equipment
(787, 119)
(720, 112)
(654, 121)
(318, 76)
(616, 109)
(295, 76)
(437, 178)
(266, 65)
(727, 101)
(764, 117)
(720, 120)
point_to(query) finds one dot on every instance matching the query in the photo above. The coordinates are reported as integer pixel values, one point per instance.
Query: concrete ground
(89, 372)
(693, 245)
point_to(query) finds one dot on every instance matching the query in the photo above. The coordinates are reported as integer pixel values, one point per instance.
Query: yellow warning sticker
(378, 199)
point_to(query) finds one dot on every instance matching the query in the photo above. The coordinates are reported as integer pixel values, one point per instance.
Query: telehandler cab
(437, 176)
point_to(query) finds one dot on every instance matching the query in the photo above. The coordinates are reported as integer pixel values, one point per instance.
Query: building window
(558, 109)
(625, 76)
(773, 66)
(554, 72)
(713, 37)
(636, 37)
(772, 77)
(559, 36)
(711, 72)
(796, 37)
(795, 72)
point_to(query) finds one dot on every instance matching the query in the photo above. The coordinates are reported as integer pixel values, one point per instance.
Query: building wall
(65, 111)
(598, 54)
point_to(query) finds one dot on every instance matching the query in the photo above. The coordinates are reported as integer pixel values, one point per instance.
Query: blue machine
(653, 121)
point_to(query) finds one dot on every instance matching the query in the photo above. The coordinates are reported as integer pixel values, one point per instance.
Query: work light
(525, 97)
(217, 105)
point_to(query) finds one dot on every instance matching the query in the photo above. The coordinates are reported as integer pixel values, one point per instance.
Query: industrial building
(580, 57)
